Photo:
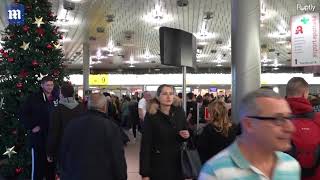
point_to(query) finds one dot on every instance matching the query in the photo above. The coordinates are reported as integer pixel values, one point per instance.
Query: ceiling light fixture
(204, 34)
(98, 54)
(147, 55)
(281, 42)
(279, 35)
(157, 15)
(111, 48)
(63, 30)
(65, 39)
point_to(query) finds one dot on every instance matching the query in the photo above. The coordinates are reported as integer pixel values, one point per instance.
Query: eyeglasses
(277, 120)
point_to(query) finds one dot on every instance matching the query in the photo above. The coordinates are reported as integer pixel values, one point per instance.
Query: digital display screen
(213, 89)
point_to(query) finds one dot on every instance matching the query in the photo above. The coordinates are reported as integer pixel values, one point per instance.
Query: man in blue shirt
(256, 154)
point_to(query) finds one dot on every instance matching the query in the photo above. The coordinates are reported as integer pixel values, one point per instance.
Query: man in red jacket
(306, 139)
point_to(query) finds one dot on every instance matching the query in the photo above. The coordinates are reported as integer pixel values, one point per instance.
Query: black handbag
(190, 161)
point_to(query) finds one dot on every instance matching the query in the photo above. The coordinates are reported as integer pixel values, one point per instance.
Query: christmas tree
(29, 51)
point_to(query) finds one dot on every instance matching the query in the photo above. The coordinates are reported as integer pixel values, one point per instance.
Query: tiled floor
(132, 157)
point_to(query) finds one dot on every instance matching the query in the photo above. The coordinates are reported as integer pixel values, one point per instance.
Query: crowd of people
(274, 138)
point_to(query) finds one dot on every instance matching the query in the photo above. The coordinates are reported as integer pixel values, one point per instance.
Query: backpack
(306, 142)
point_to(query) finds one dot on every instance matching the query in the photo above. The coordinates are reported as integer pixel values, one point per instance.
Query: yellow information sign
(99, 79)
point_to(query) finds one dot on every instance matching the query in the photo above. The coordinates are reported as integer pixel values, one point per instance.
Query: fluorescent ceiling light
(63, 30)
(202, 43)
(279, 35)
(205, 35)
(202, 55)
(131, 61)
(281, 42)
(156, 27)
(64, 20)
(219, 65)
(219, 61)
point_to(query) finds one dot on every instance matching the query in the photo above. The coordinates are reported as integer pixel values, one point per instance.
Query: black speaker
(177, 47)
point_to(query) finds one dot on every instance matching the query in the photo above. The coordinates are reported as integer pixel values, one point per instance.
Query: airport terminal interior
(115, 47)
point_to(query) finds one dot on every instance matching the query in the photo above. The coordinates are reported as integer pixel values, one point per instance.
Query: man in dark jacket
(67, 109)
(297, 96)
(35, 115)
(91, 147)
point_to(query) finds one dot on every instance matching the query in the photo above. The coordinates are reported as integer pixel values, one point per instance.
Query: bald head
(98, 102)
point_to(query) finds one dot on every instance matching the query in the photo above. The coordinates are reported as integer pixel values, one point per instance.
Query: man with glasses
(256, 153)
(306, 139)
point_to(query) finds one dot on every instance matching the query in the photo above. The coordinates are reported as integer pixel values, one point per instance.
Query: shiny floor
(132, 157)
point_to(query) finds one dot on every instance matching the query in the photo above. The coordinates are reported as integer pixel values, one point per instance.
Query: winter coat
(160, 145)
(300, 105)
(36, 111)
(133, 113)
(92, 148)
(210, 141)
(67, 110)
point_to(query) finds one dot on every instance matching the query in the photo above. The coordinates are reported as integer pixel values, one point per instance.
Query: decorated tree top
(29, 51)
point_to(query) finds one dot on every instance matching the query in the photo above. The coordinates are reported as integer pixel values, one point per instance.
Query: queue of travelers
(276, 138)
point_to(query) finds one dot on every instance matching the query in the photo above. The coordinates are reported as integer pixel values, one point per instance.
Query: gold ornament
(9, 152)
(38, 21)
(56, 45)
(25, 46)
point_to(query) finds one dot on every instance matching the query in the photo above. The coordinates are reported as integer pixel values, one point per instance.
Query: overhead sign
(305, 40)
(16, 14)
(98, 80)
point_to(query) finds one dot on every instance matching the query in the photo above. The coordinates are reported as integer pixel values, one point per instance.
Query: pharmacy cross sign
(304, 20)
(16, 14)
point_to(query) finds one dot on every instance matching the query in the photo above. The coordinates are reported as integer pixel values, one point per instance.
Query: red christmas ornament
(10, 59)
(19, 85)
(19, 170)
(23, 73)
(12, 36)
(56, 72)
(51, 14)
(49, 46)
(14, 132)
(28, 7)
(34, 63)
(25, 28)
(40, 32)
(1, 51)
(5, 54)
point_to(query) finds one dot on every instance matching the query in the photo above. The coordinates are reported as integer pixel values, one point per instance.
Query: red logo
(299, 29)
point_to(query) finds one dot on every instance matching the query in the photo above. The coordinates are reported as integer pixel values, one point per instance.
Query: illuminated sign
(305, 40)
(100, 80)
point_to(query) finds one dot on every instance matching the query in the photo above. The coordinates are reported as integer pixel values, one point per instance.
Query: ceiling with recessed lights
(123, 34)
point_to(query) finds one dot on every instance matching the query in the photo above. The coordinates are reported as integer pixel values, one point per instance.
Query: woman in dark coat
(219, 133)
(164, 129)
